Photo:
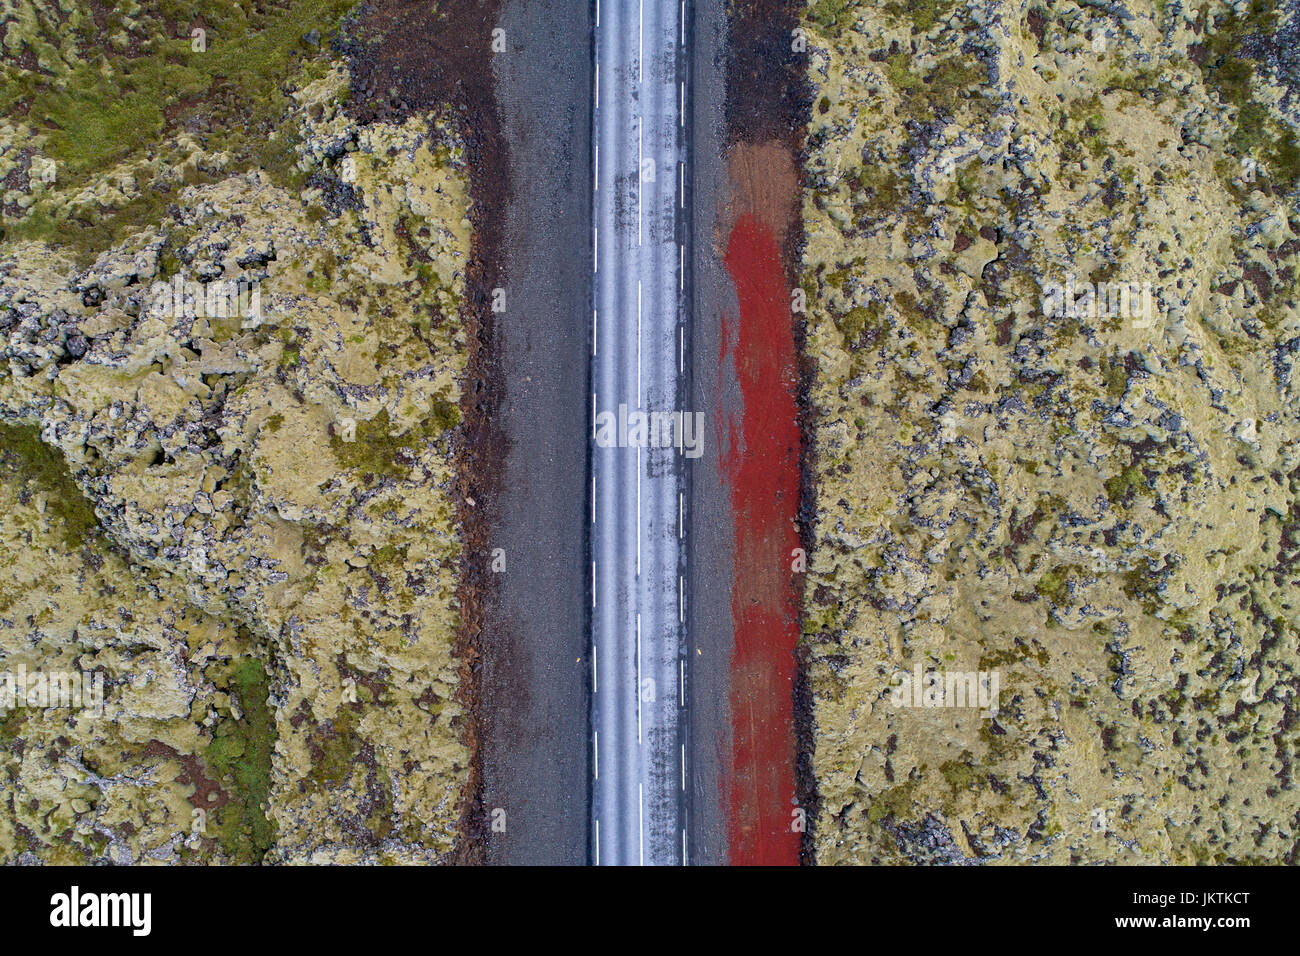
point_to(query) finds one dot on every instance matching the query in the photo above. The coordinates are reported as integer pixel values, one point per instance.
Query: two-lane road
(639, 340)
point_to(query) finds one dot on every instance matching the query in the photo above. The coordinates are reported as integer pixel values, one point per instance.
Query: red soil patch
(768, 103)
(762, 468)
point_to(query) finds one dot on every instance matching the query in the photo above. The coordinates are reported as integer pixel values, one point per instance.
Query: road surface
(535, 678)
(710, 535)
(638, 345)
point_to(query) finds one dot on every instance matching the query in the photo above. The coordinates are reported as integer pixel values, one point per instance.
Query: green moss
(379, 821)
(443, 415)
(1143, 81)
(1141, 584)
(97, 109)
(1055, 584)
(1114, 375)
(1023, 651)
(954, 80)
(335, 753)
(961, 775)
(898, 70)
(1128, 481)
(878, 191)
(828, 14)
(239, 758)
(1227, 70)
(959, 72)
(923, 13)
(856, 321)
(389, 556)
(375, 451)
(1259, 136)
(322, 276)
(916, 314)
(940, 93)
(33, 467)
(10, 725)
(895, 802)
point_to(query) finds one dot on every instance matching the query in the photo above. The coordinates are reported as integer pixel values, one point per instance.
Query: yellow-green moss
(239, 757)
(111, 107)
(38, 469)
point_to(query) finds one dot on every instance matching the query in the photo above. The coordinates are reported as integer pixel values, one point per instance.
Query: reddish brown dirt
(763, 473)
(768, 774)
(763, 183)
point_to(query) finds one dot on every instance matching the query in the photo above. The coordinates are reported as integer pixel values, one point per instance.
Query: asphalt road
(535, 678)
(710, 529)
(637, 498)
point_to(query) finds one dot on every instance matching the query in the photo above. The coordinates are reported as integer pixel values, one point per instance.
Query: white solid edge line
(638, 678)
(640, 125)
(638, 514)
(638, 343)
